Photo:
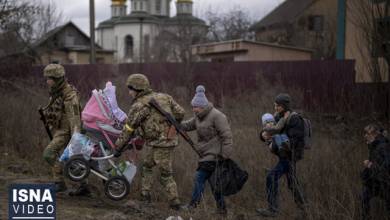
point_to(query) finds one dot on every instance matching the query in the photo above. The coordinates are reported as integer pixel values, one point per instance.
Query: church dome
(118, 2)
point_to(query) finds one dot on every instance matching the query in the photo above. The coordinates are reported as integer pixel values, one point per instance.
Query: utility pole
(92, 57)
(341, 18)
(141, 36)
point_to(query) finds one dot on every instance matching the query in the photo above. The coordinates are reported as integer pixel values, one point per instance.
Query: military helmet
(54, 70)
(138, 82)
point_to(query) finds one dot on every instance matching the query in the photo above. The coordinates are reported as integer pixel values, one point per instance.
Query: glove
(117, 153)
(137, 142)
(221, 158)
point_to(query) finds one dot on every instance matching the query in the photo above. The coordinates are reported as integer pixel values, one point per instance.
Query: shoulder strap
(289, 117)
(146, 99)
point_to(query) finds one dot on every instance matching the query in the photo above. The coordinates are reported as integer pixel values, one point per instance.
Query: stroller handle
(103, 158)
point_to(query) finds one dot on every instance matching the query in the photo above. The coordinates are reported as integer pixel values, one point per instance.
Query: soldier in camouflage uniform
(63, 118)
(160, 137)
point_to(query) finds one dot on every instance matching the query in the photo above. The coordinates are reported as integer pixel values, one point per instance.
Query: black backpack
(228, 178)
(307, 129)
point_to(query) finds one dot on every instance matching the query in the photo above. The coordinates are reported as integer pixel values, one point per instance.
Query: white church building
(148, 32)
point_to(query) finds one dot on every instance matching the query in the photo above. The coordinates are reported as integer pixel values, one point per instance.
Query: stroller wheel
(77, 168)
(117, 187)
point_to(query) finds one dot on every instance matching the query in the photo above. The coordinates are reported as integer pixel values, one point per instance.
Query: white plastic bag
(80, 144)
(130, 171)
(65, 155)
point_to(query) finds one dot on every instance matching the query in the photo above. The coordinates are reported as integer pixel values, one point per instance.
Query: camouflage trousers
(52, 152)
(162, 159)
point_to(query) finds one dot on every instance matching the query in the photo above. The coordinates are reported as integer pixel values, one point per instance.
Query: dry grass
(329, 172)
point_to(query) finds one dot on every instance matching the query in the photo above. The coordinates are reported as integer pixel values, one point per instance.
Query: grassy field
(329, 172)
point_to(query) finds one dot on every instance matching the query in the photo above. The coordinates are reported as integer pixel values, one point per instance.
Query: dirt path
(99, 207)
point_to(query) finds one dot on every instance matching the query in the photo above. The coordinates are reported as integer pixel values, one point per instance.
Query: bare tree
(174, 42)
(47, 18)
(373, 37)
(22, 23)
(371, 19)
(230, 25)
(14, 25)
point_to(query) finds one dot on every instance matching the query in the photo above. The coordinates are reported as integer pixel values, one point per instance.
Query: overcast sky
(78, 10)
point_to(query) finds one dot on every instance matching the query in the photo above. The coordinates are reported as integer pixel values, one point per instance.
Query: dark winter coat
(379, 155)
(295, 130)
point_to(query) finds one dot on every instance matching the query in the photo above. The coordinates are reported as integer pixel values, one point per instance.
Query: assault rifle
(43, 119)
(172, 121)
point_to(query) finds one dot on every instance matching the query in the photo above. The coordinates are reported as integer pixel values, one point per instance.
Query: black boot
(83, 190)
(221, 211)
(178, 207)
(145, 197)
(191, 206)
(267, 212)
(60, 186)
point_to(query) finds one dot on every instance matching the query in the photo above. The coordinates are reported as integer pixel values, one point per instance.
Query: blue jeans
(201, 176)
(283, 167)
(374, 190)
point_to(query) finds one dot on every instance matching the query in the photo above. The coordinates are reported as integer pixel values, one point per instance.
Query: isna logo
(31, 201)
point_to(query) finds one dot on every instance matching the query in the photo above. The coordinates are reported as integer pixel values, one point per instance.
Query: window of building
(223, 59)
(55, 60)
(55, 41)
(100, 60)
(135, 6)
(69, 33)
(158, 6)
(129, 46)
(69, 38)
(116, 43)
(316, 23)
(381, 38)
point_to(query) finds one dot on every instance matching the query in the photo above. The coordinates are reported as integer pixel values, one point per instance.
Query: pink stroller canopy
(102, 111)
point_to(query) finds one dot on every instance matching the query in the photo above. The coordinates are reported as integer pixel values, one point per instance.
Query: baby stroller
(92, 152)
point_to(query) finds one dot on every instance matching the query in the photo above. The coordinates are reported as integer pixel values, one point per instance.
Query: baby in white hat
(270, 128)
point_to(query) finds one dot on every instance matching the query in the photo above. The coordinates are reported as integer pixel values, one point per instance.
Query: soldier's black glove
(117, 153)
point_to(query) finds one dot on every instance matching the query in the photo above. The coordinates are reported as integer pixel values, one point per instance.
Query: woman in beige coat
(214, 144)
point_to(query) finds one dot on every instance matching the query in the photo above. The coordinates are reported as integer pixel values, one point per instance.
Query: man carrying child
(289, 147)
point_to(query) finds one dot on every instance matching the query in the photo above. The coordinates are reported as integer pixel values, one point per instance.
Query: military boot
(145, 197)
(267, 212)
(177, 206)
(221, 212)
(60, 186)
(191, 206)
(82, 190)
(302, 212)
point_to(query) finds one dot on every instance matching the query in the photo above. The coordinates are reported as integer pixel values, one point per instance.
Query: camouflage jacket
(152, 126)
(64, 110)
